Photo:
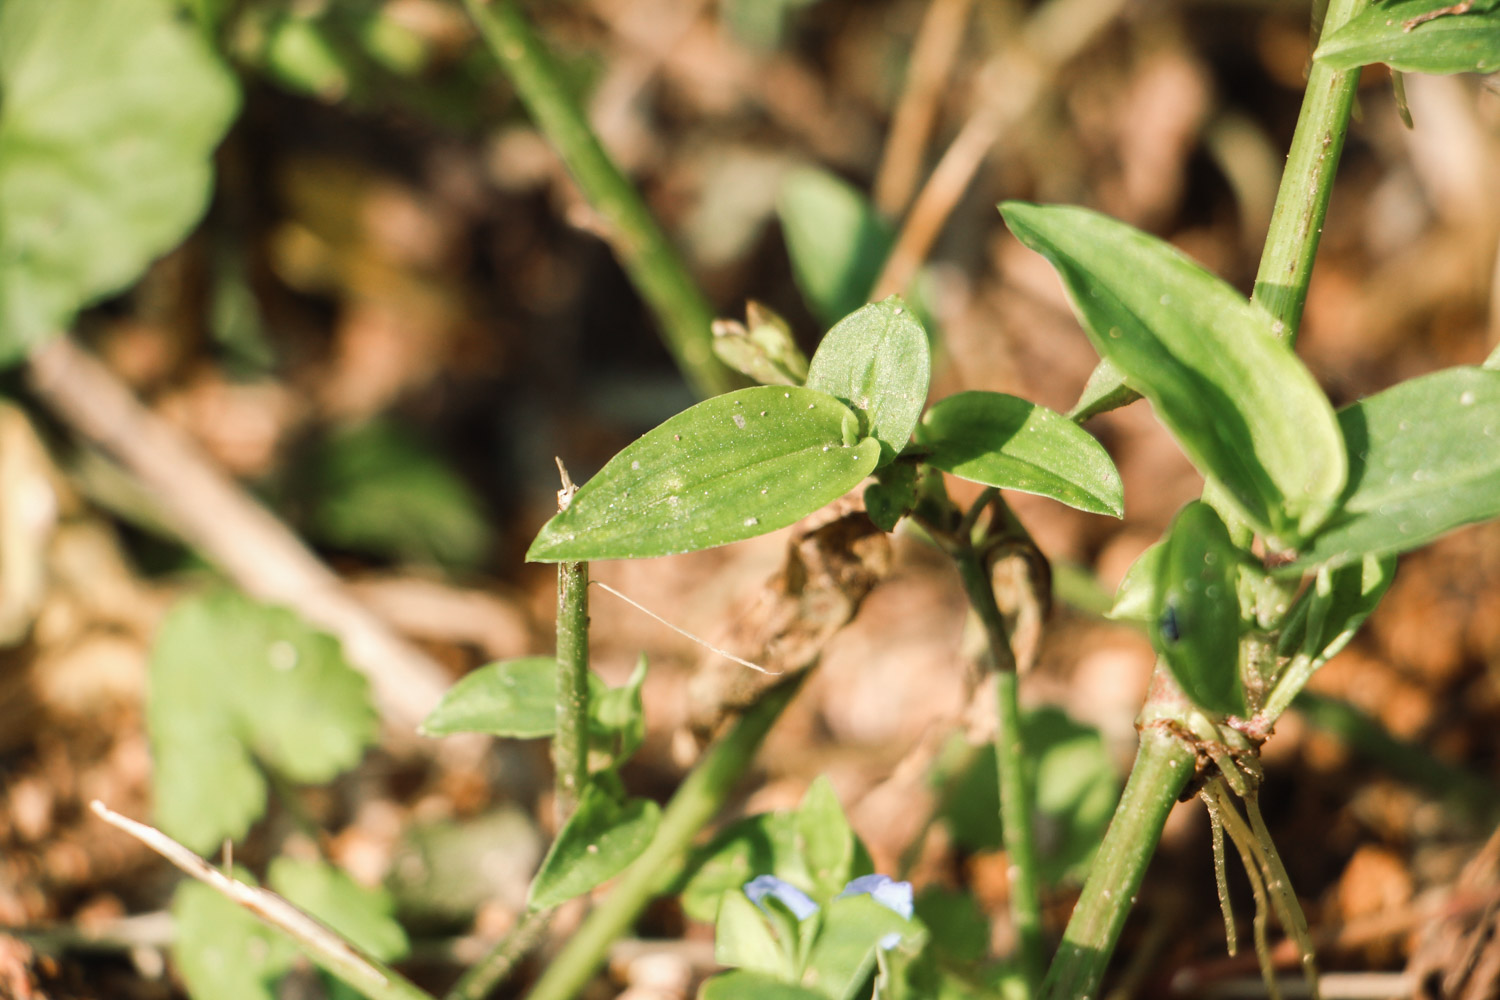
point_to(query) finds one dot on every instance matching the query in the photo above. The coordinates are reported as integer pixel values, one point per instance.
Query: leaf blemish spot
(739, 421)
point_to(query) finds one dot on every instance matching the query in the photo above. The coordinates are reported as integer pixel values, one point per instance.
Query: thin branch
(221, 520)
(324, 946)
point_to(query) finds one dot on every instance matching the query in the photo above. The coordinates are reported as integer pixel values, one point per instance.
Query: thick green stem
(1162, 768)
(1286, 263)
(1010, 755)
(697, 801)
(570, 743)
(654, 266)
(1281, 287)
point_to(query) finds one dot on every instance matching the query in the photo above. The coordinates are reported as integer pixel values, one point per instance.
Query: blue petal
(889, 941)
(789, 895)
(893, 895)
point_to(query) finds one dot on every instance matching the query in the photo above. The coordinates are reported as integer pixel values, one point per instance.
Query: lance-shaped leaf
(877, 361)
(836, 241)
(732, 467)
(603, 835)
(744, 984)
(1418, 36)
(1197, 625)
(1424, 458)
(1004, 441)
(1239, 402)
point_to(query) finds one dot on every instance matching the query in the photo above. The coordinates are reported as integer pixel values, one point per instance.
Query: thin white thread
(682, 631)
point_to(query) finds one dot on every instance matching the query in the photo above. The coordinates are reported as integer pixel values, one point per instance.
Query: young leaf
(877, 361)
(1104, 391)
(891, 498)
(732, 467)
(836, 241)
(1239, 402)
(364, 917)
(601, 837)
(110, 116)
(1424, 458)
(1004, 441)
(1136, 599)
(1197, 625)
(617, 718)
(762, 347)
(514, 698)
(1329, 612)
(830, 850)
(234, 682)
(742, 984)
(743, 938)
(221, 950)
(1418, 36)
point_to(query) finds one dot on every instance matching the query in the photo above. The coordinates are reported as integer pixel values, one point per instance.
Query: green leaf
(877, 362)
(1417, 36)
(364, 917)
(843, 956)
(618, 718)
(1105, 390)
(830, 850)
(514, 698)
(1004, 441)
(732, 467)
(380, 488)
(234, 682)
(762, 347)
(110, 116)
(743, 937)
(221, 951)
(762, 844)
(1136, 600)
(445, 870)
(837, 242)
(1424, 458)
(893, 496)
(1239, 402)
(745, 985)
(1197, 625)
(601, 837)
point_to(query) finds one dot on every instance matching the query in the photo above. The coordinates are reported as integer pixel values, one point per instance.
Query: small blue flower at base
(788, 895)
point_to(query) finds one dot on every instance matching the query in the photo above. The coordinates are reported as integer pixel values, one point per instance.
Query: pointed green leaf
(234, 682)
(1136, 599)
(877, 361)
(732, 467)
(1238, 401)
(221, 950)
(110, 115)
(601, 837)
(1424, 458)
(1104, 391)
(1197, 625)
(743, 937)
(514, 698)
(1418, 36)
(365, 917)
(762, 347)
(1004, 441)
(836, 241)
(765, 843)
(830, 850)
(618, 719)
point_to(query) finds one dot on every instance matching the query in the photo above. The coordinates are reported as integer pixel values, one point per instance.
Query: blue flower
(789, 895)
(893, 895)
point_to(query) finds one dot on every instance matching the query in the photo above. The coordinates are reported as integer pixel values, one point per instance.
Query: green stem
(654, 266)
(1281, 287)
(1010, 755)
(570, 743)
(1302, 202)
(1162, 768)
(696, 802)
(494, 968)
